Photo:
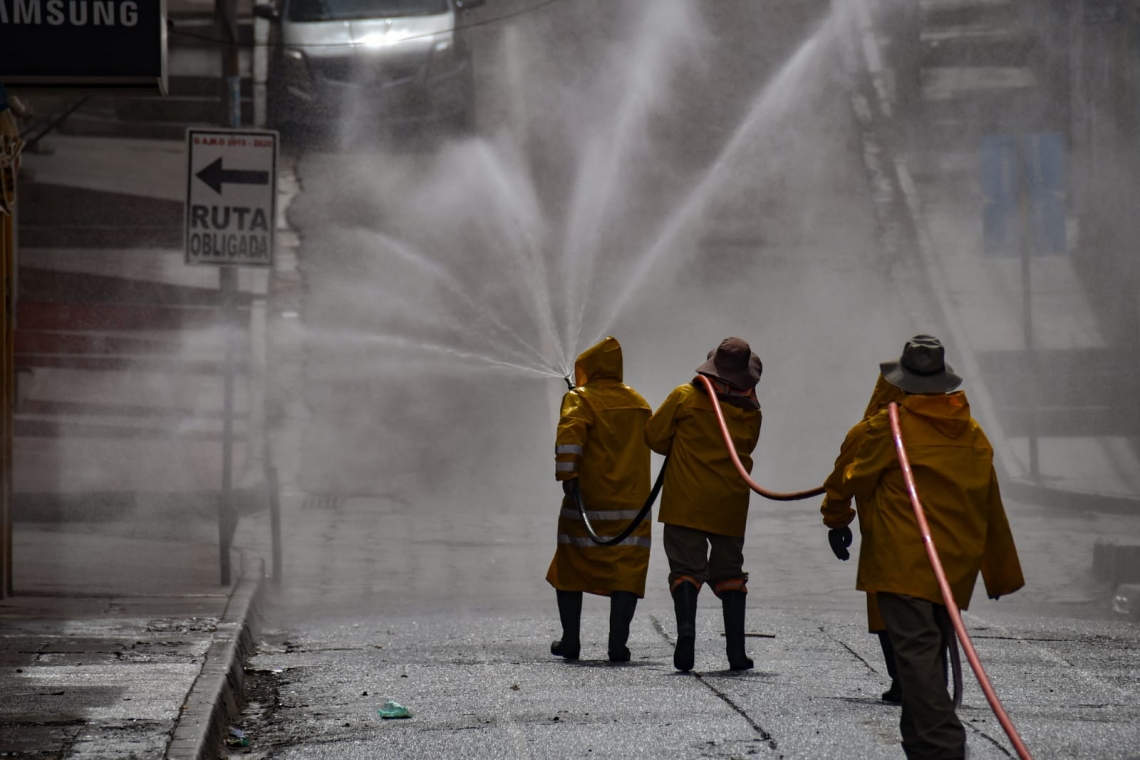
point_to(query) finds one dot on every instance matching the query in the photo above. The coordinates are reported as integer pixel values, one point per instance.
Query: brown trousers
(920, 631)
(690, 559)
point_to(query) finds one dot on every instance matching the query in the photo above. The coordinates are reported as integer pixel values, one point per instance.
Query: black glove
(840, 539)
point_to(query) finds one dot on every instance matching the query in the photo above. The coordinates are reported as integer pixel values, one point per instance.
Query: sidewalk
(121, 646)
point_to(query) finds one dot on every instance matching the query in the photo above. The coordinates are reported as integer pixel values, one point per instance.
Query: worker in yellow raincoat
(837, 510)
(600, 447)
(952, 462)
(704, 505)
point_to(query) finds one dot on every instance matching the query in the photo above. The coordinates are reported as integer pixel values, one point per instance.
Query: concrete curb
(1068, 501)
(216, 698)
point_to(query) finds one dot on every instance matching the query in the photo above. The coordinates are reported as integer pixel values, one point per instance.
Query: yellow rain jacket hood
(953, 468)
(599, 362)
(836, 509)
(881, 397)
(702, 488)
(600, 441)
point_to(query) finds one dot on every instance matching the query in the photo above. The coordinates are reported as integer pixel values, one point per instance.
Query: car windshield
(339, 10)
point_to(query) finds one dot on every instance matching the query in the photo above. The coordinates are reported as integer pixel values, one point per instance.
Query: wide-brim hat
(922, 368)
(734, 363)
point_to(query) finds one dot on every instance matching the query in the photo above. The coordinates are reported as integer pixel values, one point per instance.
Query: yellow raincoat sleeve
(662, 426)
(873, 454)
(1001, 568)
(574, 425)
(836, 508)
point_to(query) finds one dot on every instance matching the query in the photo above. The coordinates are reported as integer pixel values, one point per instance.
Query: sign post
(1026, 239)
(231, 201)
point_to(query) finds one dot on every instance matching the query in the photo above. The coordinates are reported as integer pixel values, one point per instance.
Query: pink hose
(794, 496)
(948, 597)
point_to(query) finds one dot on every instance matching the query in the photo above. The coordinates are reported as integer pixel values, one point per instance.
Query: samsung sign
(83, 44)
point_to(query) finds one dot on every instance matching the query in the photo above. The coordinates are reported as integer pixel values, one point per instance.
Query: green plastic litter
(393, 710)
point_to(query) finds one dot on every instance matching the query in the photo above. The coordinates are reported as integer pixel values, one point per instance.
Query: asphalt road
(452, 619)
(601, 183)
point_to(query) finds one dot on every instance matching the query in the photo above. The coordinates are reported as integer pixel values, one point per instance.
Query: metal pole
(10, 147)
(7, 367)
(275, 521)
(1027, 299)
(227, 277)
(226, 522)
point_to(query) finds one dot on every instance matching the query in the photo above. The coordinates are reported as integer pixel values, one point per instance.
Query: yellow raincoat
(953, 468)
(601, 442)
(836, 509)
(702, 488)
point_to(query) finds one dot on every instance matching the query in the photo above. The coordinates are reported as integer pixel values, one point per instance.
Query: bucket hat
(922, 368)
(734, 363)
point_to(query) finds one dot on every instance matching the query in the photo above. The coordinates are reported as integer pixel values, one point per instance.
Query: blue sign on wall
(1000, 219)
(1042, 170)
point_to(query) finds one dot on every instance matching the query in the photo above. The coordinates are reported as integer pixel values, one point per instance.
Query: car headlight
(295, 65)
(444, 57)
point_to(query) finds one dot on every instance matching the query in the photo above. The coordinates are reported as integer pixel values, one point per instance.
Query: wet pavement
(420, 516)
(481, 684)
(420, 506)
(448, 619)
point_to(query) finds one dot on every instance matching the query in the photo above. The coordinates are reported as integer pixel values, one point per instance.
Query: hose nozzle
(569, 382)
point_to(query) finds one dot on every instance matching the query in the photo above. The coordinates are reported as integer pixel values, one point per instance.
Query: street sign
(231, 197)
(1000, 221)
(1045, 180)
(1035, 164)
(114, 45)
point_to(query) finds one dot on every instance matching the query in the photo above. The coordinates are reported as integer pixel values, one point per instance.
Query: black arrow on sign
(215, 176)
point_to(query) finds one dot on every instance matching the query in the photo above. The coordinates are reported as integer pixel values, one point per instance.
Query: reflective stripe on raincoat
(953, 468)
(600, 441)
(702, 488)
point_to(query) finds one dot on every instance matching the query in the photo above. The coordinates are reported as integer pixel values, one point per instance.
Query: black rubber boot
(622, 606)
(893, 694)
(685, 605)
(733, 603)
(570, 611)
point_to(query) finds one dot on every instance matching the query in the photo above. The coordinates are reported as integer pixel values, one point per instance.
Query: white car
(380, 61)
